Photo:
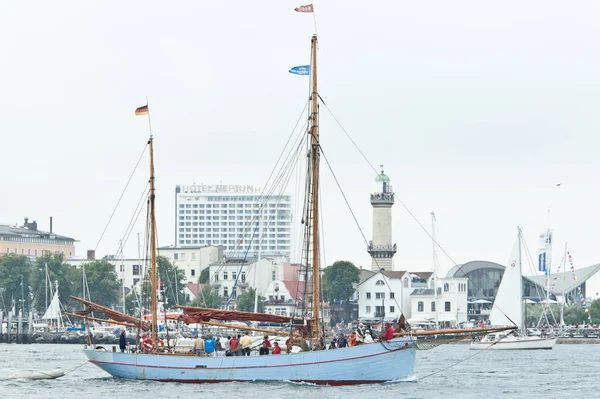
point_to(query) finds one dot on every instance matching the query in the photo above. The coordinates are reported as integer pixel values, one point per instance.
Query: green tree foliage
(204, 276)
(59, 271)
(172, 280)
(15, 272)
(132, 303)
(208, 298)
(245, 301)
(102, 282)
(595, 311)
(338, 280)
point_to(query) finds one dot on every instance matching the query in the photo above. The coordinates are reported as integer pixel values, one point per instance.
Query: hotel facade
(239, 218)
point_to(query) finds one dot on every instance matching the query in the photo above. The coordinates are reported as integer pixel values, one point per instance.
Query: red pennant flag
(308, 8)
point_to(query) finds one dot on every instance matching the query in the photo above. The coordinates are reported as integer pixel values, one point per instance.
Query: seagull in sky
(558, 184)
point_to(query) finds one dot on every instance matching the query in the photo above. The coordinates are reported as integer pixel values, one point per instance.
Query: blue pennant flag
(300, 70)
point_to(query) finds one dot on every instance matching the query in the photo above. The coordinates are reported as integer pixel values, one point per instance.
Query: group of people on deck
(362, 335)
(240, 345)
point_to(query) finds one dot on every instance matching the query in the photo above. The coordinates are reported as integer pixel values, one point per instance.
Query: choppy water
(567, 371)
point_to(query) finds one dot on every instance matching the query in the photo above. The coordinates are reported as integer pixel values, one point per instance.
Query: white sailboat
(508, 309)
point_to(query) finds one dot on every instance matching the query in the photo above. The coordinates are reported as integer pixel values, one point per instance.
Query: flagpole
(149, 122)
(314, 18)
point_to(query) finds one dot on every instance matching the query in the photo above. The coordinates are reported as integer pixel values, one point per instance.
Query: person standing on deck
(389, 332)
(210, 346)
(233, 346)
(122, 341)
(199, 346)
(246, 342)
(360, 334)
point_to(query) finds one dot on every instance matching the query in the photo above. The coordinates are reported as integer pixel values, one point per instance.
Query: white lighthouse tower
(381, 248)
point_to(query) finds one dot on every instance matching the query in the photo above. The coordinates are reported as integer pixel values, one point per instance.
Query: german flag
(143, 110)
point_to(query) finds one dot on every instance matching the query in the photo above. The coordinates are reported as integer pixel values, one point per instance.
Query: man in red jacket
(233, 346)
(389, 332)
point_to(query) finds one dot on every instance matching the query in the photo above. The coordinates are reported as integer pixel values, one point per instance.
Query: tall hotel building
(236, 217)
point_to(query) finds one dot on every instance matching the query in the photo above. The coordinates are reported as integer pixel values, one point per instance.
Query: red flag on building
(142, 110)
(308, 8)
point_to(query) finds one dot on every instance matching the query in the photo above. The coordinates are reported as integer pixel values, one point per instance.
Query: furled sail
(53, 311)
(197, 315)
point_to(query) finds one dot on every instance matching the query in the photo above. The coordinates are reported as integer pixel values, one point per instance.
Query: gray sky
(477, 111)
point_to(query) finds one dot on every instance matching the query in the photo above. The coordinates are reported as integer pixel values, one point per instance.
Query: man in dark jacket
(122, 342)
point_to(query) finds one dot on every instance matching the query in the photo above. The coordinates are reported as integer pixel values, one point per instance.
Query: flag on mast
(307, 8)
(143, 110)
(300, 70)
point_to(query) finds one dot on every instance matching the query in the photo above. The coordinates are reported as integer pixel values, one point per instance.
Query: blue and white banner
(300, 70)
(545, 252)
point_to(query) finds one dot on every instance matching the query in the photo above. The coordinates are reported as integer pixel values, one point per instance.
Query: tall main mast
(153, 271)
(314, 132)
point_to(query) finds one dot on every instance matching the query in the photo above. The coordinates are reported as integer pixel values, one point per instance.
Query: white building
(382, 294)
(448, 307)
(282, 300)
(238, 218)
(252, 273)
(389, 294)
(193, 259)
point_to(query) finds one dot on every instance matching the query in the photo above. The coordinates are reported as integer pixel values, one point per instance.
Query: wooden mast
(314, 132)
(153, 271)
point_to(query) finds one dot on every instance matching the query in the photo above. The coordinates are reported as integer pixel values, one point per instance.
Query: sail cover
(111, 314)
(53, 311)
(507, 309)
(198, 315)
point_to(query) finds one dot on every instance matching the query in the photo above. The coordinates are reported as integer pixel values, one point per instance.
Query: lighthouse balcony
(381, 251)
(382, 198)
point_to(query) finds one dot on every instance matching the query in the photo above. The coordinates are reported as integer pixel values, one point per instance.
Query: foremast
(314, 159)
(153, 271)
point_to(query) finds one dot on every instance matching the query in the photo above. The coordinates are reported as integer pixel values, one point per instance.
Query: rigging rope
(121, 197)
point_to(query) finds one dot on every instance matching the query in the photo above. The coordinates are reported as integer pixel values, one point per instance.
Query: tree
(15, 272)
(204, 276)
(102, 282)
(208, 298)
(172, 280)
(59, 271)
(338, 280)
(245, 302)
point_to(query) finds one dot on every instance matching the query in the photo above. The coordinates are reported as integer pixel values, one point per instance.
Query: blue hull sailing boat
(370, 363)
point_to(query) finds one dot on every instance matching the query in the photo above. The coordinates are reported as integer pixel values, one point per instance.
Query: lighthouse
(380, 247)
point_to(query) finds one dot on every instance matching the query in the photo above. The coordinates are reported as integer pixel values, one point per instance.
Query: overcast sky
(477, 111)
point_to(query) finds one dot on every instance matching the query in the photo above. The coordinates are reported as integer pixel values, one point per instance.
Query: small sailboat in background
(508, 309)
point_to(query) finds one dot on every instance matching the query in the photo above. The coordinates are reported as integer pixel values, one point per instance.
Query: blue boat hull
(364, 364)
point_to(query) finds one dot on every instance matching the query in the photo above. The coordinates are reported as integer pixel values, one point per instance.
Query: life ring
(147, 344)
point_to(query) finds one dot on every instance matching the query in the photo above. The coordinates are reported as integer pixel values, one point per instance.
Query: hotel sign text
(220, 188)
